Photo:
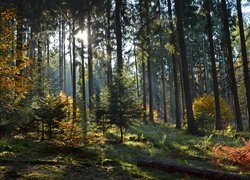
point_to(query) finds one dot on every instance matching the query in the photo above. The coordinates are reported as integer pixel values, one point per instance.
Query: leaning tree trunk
(185, 74)
(233, 85)
(214, 71)
(244, 58)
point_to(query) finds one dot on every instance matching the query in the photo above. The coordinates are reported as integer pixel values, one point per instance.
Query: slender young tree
(185, 74)
(176, 84)
(230, 64)
(214, 71)
(244, 58)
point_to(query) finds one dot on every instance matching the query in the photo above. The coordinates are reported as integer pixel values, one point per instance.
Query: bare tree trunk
(136, 71)
(214, 71)
(118, 37)
(74, 71)
(109, 68)
(162, 67)
(244, 58)
(231, 67)
(143, 62)
(190, 116)
(149, 68)
(176, 84)
(60, 56)
(19, 41)
(90, 59)
(63, 56)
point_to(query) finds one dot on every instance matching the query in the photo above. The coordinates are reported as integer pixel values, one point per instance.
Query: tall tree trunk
(90, 60)
(109, 58)
(244, 58)
(136, 72)
(84, 108)
(162, 67)
(74, 71)
(60, 57)
(48, 62)
(231, 66)
(190, 116)
(144, 94)
(118, 33)
(149, 68)
(176, 84)
(39, 64)
(19, 41)
(64, 56)
(214, 71)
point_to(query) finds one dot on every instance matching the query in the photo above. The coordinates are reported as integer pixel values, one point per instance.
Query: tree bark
(108, 41)
(84, 108)
(136, 72)
(74, 71)
(144, 94)
(214, 71)
(175, 75)
(19, 41)
(162, 67)
(185, 74)
(149, 68)
(244, 58)
(118, 32)
(231, 67)
(90, 60)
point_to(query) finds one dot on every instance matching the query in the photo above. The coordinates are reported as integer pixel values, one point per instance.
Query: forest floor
(102, 157)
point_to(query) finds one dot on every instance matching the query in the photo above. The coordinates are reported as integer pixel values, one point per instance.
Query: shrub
(204, 110)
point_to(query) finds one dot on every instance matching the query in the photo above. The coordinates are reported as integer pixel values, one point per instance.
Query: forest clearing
(124, 89)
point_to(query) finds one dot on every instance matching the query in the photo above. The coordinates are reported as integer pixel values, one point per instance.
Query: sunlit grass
(113, 159)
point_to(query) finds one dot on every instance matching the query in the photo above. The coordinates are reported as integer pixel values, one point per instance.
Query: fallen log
(34, 162)
(194, 171)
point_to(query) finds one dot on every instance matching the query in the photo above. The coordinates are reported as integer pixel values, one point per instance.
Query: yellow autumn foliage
(204, 107)
(11, 79)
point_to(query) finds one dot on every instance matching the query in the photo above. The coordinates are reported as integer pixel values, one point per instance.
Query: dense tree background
(177, 53)
(89, 87)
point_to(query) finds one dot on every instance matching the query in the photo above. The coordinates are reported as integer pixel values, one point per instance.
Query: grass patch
(104, 158)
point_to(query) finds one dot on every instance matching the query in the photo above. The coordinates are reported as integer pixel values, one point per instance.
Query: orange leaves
(239, 155)
(11, 78)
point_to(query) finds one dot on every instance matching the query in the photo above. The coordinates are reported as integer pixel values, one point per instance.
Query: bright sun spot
(82, 35)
